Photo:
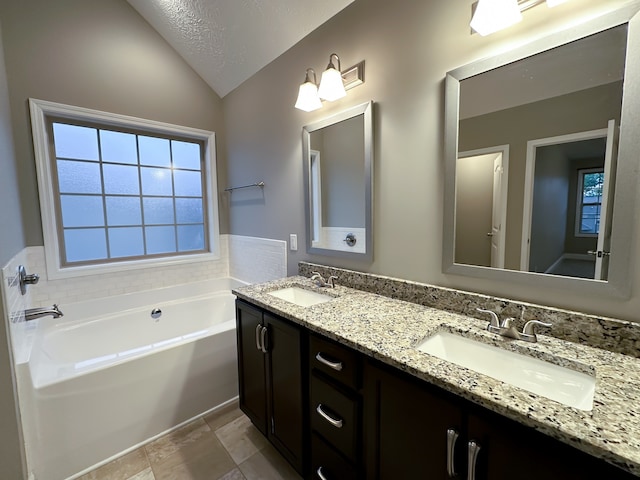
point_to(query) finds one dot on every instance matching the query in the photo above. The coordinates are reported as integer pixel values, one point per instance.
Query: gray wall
(102, 55)
(408, 47)
(549, 215)
(342, 163)
(11, 242)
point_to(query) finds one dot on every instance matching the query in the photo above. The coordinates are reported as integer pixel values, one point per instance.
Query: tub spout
(33, 313)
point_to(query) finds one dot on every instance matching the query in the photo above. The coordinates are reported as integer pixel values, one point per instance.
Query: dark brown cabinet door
(285, 366)
(251, 365)
(405, 428)
(509, 450)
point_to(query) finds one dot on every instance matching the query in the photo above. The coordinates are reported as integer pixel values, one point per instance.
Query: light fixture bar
(353, 76)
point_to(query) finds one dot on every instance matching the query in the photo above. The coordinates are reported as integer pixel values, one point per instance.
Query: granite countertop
(388, 330)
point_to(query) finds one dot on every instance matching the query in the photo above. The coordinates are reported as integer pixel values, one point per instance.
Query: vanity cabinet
(335, 413)
(271, 364)
(335, 410)
(415, 430)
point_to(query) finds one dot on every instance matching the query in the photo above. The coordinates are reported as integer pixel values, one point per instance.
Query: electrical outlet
(293, 242)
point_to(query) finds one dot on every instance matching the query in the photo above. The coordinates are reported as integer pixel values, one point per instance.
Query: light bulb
(493, 15)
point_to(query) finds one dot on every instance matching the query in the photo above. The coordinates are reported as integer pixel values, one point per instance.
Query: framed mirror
(541, 160)
(338, 181)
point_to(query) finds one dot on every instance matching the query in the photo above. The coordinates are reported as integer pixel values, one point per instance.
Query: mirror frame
(366, 110)
(626, 193)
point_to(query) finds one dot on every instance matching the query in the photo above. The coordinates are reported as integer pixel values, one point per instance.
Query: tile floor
(223, 445)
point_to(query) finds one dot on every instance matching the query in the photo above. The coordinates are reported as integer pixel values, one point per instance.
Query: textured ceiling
(227, 41)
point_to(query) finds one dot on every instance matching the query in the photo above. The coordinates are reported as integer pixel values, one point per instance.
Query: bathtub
(110, 375)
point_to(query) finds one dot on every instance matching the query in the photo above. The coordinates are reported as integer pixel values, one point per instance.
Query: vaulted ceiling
(227, 41)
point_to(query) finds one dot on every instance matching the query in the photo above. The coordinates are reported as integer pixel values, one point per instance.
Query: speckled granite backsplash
(607, 333)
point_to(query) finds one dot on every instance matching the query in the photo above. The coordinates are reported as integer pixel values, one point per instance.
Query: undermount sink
(301, 296)
(572, 388)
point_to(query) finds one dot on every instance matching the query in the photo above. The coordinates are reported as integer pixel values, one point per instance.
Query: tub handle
(258, 327)
(263, 335)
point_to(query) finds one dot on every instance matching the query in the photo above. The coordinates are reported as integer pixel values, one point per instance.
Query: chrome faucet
(33, 313)
(507, 329)
(320, 281)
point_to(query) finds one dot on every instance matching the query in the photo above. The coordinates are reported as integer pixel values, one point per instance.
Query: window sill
(55, 272)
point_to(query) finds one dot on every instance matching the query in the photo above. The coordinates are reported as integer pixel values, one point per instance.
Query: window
(590, 189)
(118, 191)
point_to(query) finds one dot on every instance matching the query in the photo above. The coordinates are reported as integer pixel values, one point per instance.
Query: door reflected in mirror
(529, 132)
(337, 155)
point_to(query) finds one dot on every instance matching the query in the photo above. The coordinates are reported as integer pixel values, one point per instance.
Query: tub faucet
(33, 313)
(320, 281)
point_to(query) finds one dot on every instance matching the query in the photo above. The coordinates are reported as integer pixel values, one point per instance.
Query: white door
(481, 217)
(604, 232)
(497, 239)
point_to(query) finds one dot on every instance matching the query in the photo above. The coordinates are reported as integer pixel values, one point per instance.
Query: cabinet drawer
(334, 360)
(327, 464)
(334, 416)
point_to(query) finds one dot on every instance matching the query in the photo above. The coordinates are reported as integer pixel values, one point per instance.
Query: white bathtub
(107, 376)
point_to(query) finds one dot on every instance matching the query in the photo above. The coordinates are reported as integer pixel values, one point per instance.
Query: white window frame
(40, 110)
(581, 173)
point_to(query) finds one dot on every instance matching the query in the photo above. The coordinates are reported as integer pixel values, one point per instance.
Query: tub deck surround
(389, 329)
(611, 334)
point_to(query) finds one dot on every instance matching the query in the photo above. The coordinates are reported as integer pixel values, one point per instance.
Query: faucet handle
(529, 327)
(506, 323)
(495, 321)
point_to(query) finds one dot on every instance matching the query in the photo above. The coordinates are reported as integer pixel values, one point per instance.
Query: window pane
(126, 242)
(75, 142)
(78, 177)
(189, 210)
(118, 147)
(187, 184)
(154, 151)
(85, 244)
(190, 237)
(186, 155)
(120, 179)
(123, 211)
(158, 210)
(81, 211)
(156, 181)
(160, 239)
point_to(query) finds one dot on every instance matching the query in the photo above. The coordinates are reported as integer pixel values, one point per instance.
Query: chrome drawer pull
(328, 418)
(452, 437)
(335, 365)
(258, 327)
(473, 451)
(320, 475)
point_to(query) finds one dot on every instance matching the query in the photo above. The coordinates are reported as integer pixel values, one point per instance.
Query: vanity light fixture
(308, 99)
(489, 16)
(331, 83)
